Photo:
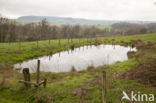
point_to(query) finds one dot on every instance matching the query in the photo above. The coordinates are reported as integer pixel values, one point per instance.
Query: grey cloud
(91, 9)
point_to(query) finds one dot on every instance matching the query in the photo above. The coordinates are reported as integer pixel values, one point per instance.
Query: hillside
(72, 21)
(63, 20)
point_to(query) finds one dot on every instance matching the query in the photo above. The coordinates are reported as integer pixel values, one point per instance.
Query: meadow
(77, 86)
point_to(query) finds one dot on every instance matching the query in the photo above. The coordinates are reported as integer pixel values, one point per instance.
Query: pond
(79, 58)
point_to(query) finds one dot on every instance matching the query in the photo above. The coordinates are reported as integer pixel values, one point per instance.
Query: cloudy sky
(89, 9)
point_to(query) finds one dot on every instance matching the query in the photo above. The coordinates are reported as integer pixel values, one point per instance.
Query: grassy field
(77, 86)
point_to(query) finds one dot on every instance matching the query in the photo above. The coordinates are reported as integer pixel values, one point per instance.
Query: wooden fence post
(26, 80)
(38, 72)
(26, 76)
(45, 83)
(104, 86)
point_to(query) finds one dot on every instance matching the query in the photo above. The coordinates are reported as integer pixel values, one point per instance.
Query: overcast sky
(90, 9)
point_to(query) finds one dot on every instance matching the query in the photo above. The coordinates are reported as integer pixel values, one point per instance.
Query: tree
(3, 28)
(44, 28)
(12, 32)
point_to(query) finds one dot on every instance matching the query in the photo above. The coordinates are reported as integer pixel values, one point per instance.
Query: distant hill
(72, 21)
(64, 20)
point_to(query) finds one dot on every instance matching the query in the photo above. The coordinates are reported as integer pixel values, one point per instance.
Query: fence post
(104, 87)
(45, 82)
(26, 76)
(26, 80)
(38, 72)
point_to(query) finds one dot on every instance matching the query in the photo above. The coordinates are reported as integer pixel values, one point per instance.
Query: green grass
(13, 54)
(143, 37)
(64, 87)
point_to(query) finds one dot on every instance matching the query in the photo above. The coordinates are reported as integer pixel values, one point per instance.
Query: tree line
(132, 28)
(12, 31)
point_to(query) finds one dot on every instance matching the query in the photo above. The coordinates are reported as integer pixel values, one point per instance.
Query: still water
(79, 58)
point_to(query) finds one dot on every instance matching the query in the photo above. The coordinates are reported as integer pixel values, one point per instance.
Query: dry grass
(140, 45)
(144, 74)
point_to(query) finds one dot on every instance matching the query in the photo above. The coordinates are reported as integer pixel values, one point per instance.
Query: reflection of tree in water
(33, 67)
(98, 46)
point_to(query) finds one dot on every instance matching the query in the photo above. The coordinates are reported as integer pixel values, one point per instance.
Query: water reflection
(80, 58)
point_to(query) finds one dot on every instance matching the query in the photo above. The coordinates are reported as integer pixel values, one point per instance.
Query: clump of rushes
(138, 43)
(135, 41)
(126, 43)
(121, 41)
(113, 41)
(73, 69)
(138, 40)
(72, 46)
(97, 41)
(150, 45)
(91, 67)
(140, 46)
